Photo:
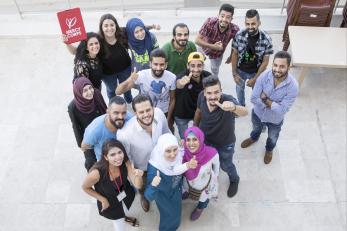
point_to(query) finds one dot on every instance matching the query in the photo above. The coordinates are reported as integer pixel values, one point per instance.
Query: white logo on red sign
(70, 22)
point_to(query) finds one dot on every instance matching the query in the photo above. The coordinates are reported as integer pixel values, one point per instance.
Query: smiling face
(144, 112)
(93, 46)
(88, 92)
(116, 114)
(252, 25)
(158, 66)
(192, 143)
(280, 68)
(224, 19)
(213, 94)
(139, 33)
(109, 28)
(181, 36)
(170, 153)
(115, 156)
(196, 67)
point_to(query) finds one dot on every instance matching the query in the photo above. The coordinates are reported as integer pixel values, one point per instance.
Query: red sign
(71, 24)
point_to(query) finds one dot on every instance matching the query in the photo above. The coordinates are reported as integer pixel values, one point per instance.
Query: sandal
(132, 221)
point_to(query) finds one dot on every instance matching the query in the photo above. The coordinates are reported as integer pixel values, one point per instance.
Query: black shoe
(232, 190)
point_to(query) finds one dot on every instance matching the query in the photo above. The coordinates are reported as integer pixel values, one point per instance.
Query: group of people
(128, 151)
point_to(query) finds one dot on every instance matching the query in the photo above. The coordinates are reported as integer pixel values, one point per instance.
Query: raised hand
(137, 172)
(226, 105)
(134, 75)
(156, 180)
(186, 79)
(193, 163)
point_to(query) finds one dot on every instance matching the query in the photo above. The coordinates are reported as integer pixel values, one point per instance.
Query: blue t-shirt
(97, 133)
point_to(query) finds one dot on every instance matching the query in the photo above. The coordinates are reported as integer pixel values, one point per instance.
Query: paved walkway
(303, 189)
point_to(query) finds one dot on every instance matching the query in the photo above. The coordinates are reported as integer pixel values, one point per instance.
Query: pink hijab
(202, 155)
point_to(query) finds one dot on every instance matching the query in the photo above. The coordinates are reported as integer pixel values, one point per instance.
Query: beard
(252, 32)
(182, 43)
(158, 73)
(279, 76)
(118, 123)
(141, 121)
(212, 102)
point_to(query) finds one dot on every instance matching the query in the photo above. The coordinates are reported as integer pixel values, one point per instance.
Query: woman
(202, 181)
(87, 62)
(116, 60)
(165, 180)
(83, 109)
(109, 182)
(141, 43)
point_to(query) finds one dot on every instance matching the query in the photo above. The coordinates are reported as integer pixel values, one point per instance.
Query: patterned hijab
(139, 46)
(202, 155)
(87, 105)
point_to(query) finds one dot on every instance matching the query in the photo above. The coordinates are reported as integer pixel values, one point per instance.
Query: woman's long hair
(120, 33)
(103, 164)
(82, 52)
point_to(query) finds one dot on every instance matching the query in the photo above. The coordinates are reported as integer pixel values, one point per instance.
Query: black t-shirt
(115, 59)
(249, 62)
(218, 125)
(187, 97)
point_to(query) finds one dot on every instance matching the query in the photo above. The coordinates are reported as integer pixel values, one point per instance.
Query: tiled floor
(303, 189)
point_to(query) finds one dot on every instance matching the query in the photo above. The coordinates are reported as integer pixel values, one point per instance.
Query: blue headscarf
(139, 46)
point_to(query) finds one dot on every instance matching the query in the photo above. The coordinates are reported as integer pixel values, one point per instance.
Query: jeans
(240, 89)
(215, 64)
(182, 125)
(203, 205)
(273, 131)
(226, 154)
(111, 83)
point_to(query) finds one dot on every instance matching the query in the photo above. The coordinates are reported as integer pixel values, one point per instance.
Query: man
(273, 94)
(105, 127)
(215, 116)
(215, 35)
(140, 135)
(188, 87)
(178, 49)
(157, 82)
(251, 49)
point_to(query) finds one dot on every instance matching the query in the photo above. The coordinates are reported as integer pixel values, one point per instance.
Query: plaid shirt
(211, 33)
(263, 46)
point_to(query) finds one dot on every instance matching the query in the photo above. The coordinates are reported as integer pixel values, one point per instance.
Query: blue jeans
(226, 154)
(182, 125)
(273, 131)
(240, 88)
(203, 205)
(111, 83)
(215, 64)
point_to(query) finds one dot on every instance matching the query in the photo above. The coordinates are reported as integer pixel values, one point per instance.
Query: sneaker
(267, 157)
(196, 214)
(247, 142)
(232, 190)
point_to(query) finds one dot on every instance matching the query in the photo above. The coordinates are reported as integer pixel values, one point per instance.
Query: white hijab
(157, 156)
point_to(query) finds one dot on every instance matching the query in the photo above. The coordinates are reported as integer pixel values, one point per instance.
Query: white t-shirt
(157, 88)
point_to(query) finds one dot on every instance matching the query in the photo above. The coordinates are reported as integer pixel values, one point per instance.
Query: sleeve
(283, 107)
(257, 90)
(151, 191)
(154, 41)
(75, 125)
(204, 30)
(215, 164)
(200, 97)
(173, 84)
(235, 42)
(89, 137)
(269, 47)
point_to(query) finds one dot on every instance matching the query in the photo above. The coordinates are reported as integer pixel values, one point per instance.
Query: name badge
(121, 196)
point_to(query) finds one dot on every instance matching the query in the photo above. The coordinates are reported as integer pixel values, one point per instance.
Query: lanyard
(115, 181)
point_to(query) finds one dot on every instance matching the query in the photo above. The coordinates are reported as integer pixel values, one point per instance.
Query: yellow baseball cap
(196, 56)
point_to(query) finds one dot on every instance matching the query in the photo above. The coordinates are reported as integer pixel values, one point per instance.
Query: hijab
(87, 105)
(157, 158)
(139, 46)
(202, 155)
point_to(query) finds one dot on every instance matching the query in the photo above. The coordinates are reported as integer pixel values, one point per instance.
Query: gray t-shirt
(218, 125)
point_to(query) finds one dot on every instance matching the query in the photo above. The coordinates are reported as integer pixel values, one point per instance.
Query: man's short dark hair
(141, 98)
(283, 55)
(211, 80)
(252, 13)
(227, 7)
(117, 100)
(158, 53)
(182, 25)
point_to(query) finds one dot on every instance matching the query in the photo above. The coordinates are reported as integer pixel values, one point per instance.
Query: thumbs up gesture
(134, 75)
(137, 172)
(156, 180)
(226, 106)
(193, 163)
(186, 79)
